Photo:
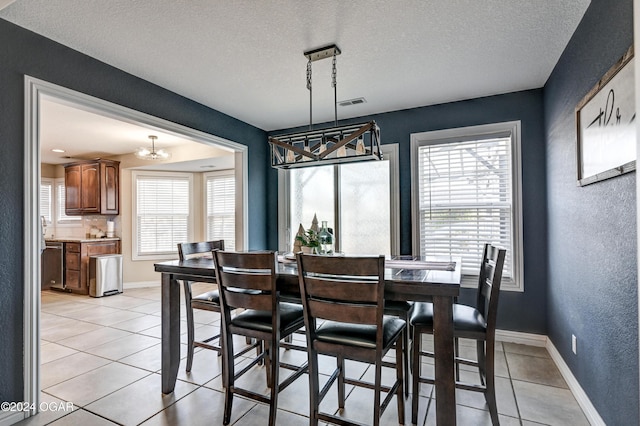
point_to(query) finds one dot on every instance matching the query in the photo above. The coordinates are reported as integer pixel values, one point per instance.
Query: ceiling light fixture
(144, 153)
(356, 142)
(57, 150)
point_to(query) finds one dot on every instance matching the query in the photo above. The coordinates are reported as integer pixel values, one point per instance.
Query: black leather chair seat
(208, 297)
(465, 318)
(291, 316)
(397, 306)
(360, 335)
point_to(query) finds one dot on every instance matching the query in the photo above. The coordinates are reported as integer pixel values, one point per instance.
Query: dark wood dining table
(401, 284)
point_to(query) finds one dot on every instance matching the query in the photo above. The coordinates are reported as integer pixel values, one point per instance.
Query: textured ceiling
(245, 57)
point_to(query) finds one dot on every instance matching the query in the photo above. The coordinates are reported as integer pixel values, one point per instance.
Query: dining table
(432, 279)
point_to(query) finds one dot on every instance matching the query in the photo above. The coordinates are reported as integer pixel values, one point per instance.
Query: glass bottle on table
(325, 238)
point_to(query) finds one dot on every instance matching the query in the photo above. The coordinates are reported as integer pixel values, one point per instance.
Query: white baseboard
(10, 417)
(521, 338)
(543, 341)
(580, 395)
(140, 284)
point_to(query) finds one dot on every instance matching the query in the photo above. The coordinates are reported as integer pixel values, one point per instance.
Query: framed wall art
(605, 121)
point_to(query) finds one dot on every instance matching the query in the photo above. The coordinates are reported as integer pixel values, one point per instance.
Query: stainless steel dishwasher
(53, 266)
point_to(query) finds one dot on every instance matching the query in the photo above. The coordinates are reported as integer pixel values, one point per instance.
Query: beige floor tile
(150, 359)
(91, 386)
(119, 301)
(204, 407)
(505, 399)
(82, 418)
(52, 351)
(548, 405)
(114, 318)
(70, 329)
(62, 369)
(138, 324)
(123, 347)
(96, 337)
(534, 369)
(64, 308)
(150, 293)
(90, 312)
(150, 307)
(515, 348)
(467, 416)
(52, 408)
(207, 365)
(139, 401)
(48, 321)
(259, 414)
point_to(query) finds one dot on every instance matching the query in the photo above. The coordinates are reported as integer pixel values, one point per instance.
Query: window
(358, 200)
(46, 199)
(162, 205)
(220, 193)
(466, 185)
(60, 202)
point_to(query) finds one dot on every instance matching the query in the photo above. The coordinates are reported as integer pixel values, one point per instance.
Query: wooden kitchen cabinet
(76, 265)
(92, 187)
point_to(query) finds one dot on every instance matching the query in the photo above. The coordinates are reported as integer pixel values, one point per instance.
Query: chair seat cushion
(395, 306)
(358, 334)
(208, 297)
(465, 318)
(291, 316)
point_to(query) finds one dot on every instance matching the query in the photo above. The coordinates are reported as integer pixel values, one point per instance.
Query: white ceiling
(245, 57)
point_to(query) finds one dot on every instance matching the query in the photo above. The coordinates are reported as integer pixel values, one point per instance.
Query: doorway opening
(38, 94)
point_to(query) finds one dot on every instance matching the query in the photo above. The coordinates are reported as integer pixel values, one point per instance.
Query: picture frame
(605, 124)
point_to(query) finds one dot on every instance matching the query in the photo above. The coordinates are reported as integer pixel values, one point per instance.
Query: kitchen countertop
(79, 239)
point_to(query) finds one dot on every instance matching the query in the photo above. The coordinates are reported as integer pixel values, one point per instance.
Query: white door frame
(35, 89)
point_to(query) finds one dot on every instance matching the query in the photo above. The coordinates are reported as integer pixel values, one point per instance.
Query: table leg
(444, 360)
(170, 332)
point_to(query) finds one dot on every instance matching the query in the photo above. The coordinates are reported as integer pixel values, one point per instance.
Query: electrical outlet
(574, 344)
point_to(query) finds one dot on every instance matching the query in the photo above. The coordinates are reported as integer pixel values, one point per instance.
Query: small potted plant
(309, 242)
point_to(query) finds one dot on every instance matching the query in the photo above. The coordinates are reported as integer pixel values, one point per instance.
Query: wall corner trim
(580, 395)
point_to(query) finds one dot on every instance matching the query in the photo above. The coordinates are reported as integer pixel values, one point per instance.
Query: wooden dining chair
(346, 294)
(208, 301)
(248, 281)
(477, 323)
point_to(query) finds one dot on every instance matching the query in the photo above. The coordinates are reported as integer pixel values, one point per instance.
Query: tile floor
(103, 355)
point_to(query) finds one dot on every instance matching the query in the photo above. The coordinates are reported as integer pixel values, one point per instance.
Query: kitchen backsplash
(84, 228)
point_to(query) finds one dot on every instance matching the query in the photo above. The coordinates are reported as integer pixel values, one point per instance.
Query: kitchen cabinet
(76, 261)
(92, 187)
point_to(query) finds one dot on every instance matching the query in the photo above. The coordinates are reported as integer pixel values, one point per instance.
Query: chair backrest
(344, 289)
(239, 272)
(489, 281)
(186, 250)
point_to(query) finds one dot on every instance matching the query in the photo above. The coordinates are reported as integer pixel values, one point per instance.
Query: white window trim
(513, 127)
(205, 197)
(135, 174)
(390, 153)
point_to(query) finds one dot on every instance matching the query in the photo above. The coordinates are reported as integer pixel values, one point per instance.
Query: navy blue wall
(518, 311)
(23, 52)
(592, 230)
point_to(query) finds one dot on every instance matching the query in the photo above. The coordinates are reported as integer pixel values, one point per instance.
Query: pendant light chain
(334, 83)
(310, 94)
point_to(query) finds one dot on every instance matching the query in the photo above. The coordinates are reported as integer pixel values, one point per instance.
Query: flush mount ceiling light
(146, 154)
(356, 142)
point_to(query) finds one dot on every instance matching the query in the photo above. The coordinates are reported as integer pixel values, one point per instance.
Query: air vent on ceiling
(355, 101)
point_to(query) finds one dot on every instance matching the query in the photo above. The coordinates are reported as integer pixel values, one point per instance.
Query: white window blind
(46, 199)
(466, 199)
(221, 208)
(61, 205)
(162, 212)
